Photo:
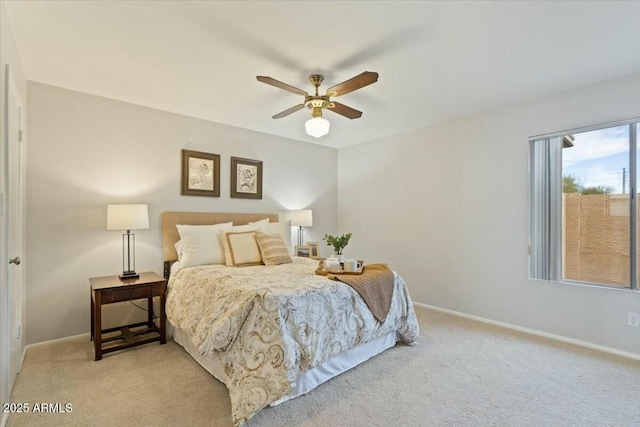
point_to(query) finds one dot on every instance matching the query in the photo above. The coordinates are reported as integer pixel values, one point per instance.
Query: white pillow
(241, 228)
(199, 244)
(225, 243)
(261, 223)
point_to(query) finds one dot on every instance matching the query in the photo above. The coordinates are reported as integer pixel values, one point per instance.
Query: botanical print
(200, 174)
(247, 181)
(246, 178)
(269, 324)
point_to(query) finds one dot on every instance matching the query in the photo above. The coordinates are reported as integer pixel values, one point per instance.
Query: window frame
(555, 220)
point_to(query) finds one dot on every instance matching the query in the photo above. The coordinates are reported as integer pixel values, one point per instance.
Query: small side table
(111, 289)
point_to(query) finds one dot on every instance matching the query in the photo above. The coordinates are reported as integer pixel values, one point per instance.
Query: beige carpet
(462, 373)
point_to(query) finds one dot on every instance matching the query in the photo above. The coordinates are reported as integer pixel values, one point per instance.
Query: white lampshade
(127, 217)
(302, 218)
(317, 127)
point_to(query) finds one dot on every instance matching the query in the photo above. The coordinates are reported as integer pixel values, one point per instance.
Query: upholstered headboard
(170, 233)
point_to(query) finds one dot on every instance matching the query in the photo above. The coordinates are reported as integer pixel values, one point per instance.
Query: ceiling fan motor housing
(316, 102)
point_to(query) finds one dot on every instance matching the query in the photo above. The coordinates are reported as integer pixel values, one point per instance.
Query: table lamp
(128, 217)
(301, 218)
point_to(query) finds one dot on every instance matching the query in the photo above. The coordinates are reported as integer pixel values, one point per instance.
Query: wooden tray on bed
(323, 272)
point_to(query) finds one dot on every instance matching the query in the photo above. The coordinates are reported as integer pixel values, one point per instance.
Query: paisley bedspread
(271, 323)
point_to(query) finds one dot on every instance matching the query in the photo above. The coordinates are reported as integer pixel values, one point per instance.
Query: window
(583, 209)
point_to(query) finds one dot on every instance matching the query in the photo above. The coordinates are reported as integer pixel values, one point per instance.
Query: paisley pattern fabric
(271, 323)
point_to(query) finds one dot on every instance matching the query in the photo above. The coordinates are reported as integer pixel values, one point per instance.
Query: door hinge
(3, 204)
(19, 332)
(20, 135)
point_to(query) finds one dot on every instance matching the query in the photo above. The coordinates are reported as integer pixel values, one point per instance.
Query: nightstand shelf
(111, 289)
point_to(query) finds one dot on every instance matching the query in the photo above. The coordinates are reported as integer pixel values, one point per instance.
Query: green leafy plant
(338, 243)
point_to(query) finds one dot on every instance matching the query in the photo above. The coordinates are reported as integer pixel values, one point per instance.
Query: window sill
(588, 285)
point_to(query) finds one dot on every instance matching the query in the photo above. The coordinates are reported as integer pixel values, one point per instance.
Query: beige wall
(86, 152)
(447, 206)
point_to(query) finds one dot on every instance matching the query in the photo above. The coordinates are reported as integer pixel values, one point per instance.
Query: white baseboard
(24, 354)
(533, 332)
(86, 335)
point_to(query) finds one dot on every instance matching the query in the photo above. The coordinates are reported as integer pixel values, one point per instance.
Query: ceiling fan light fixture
(317, 126)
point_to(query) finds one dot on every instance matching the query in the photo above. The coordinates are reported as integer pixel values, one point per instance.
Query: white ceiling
(437, 60)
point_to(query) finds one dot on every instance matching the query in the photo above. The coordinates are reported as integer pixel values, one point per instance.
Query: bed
(272, 333)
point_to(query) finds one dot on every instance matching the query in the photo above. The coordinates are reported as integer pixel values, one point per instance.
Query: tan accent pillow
(273, 249)
(241, 248)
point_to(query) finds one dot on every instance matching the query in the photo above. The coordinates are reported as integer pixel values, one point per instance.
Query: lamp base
(129, 275)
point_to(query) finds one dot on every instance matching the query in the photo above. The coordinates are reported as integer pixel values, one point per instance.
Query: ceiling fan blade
(355, 83)
(343, 110)
(291, 110)
(279, 84)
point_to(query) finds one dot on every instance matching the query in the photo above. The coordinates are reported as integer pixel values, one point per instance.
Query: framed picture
(200, 174)
(246, 178)
(303, 251)
(314, 249)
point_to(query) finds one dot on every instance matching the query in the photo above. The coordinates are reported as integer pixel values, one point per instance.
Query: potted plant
(338, 243)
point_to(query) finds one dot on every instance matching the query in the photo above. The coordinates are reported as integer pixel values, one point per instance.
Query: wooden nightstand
(110, 289)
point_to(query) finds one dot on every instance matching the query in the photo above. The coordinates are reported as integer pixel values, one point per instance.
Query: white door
(14, 112)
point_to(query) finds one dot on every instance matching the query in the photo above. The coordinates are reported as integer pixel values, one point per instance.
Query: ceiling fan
(317, 126)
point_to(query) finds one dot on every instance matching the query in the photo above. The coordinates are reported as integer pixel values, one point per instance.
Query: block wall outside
(596, 238)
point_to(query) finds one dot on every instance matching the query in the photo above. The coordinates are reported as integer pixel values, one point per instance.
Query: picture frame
(303, 251)
(246, 178)
(314, 250)
(200, 174)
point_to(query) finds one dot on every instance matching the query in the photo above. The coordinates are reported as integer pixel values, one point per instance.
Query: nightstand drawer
(129, 294)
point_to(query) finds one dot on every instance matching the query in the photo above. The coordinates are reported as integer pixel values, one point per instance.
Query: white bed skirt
(309, 380)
